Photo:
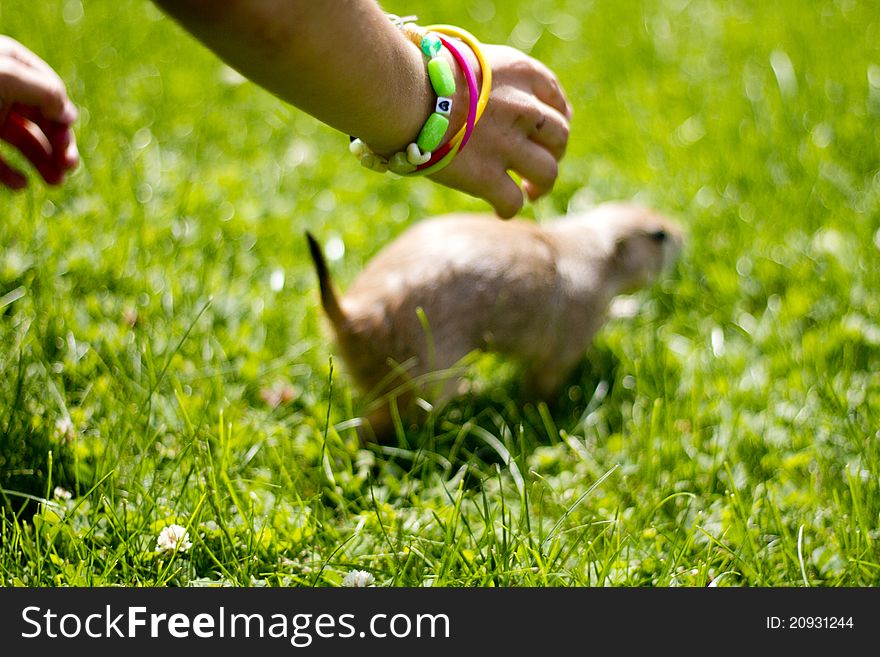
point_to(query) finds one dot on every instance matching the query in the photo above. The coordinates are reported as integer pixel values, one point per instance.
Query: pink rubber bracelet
(473, 90)
(473, 94)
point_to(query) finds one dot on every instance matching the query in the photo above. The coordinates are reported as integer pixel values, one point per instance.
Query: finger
(509, 199)
(61, 138)
(11, 178)
(64, 149)
(539, 121)
(488, 182)
(34, 146)
(29, 86)
(537, 167)
(38, 116)
(551, 131)
(13, 48)
(503, 194)
(71, 155)
(546, 86)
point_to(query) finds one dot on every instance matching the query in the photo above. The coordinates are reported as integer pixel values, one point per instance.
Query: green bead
(441, 76)
(432, 132)
(431, 45)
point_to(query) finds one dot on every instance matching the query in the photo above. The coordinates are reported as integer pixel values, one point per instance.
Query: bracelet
(418, 159)
(429, 138)
(471, 41)
(445, 155)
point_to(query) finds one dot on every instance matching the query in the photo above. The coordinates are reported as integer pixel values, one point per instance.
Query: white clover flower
(358, 579)
(64, 431)
(173, 537)
(61, 493)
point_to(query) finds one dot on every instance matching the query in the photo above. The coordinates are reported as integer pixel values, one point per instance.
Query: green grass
(727, 434)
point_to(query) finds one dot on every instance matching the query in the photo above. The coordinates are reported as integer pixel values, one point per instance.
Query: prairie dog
(538, 292)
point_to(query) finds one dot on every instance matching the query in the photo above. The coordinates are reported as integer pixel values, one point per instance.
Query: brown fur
(538, 292)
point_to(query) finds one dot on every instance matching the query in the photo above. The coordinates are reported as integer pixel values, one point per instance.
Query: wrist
(454, 81)
(410, 110)
(444, 66)
(424, 104)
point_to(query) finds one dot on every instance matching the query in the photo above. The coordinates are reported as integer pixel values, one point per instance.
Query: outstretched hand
(524, 130)
(35, 116)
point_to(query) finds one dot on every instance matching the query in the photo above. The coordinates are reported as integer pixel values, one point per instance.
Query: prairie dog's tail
(328, 295)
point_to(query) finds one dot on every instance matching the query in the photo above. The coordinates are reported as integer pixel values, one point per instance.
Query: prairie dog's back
(448, 247)
(453, 265)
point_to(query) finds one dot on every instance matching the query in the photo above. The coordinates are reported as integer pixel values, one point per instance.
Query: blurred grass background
(162, 355)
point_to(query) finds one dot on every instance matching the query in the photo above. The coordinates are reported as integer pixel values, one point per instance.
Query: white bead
(443, 106)
(357, 147)
(415, 155)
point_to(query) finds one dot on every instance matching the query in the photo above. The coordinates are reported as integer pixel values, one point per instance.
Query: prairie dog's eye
(659, 235)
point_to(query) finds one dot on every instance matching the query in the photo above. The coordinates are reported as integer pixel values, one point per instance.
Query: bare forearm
(342, 61)
(346, 64)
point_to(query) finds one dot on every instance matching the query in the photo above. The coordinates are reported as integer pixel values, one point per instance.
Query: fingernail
(68, 114)
(71, 156)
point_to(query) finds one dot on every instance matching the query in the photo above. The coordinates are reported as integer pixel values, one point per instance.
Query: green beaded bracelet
(429, 137)
(441, 76)
(432, 132)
